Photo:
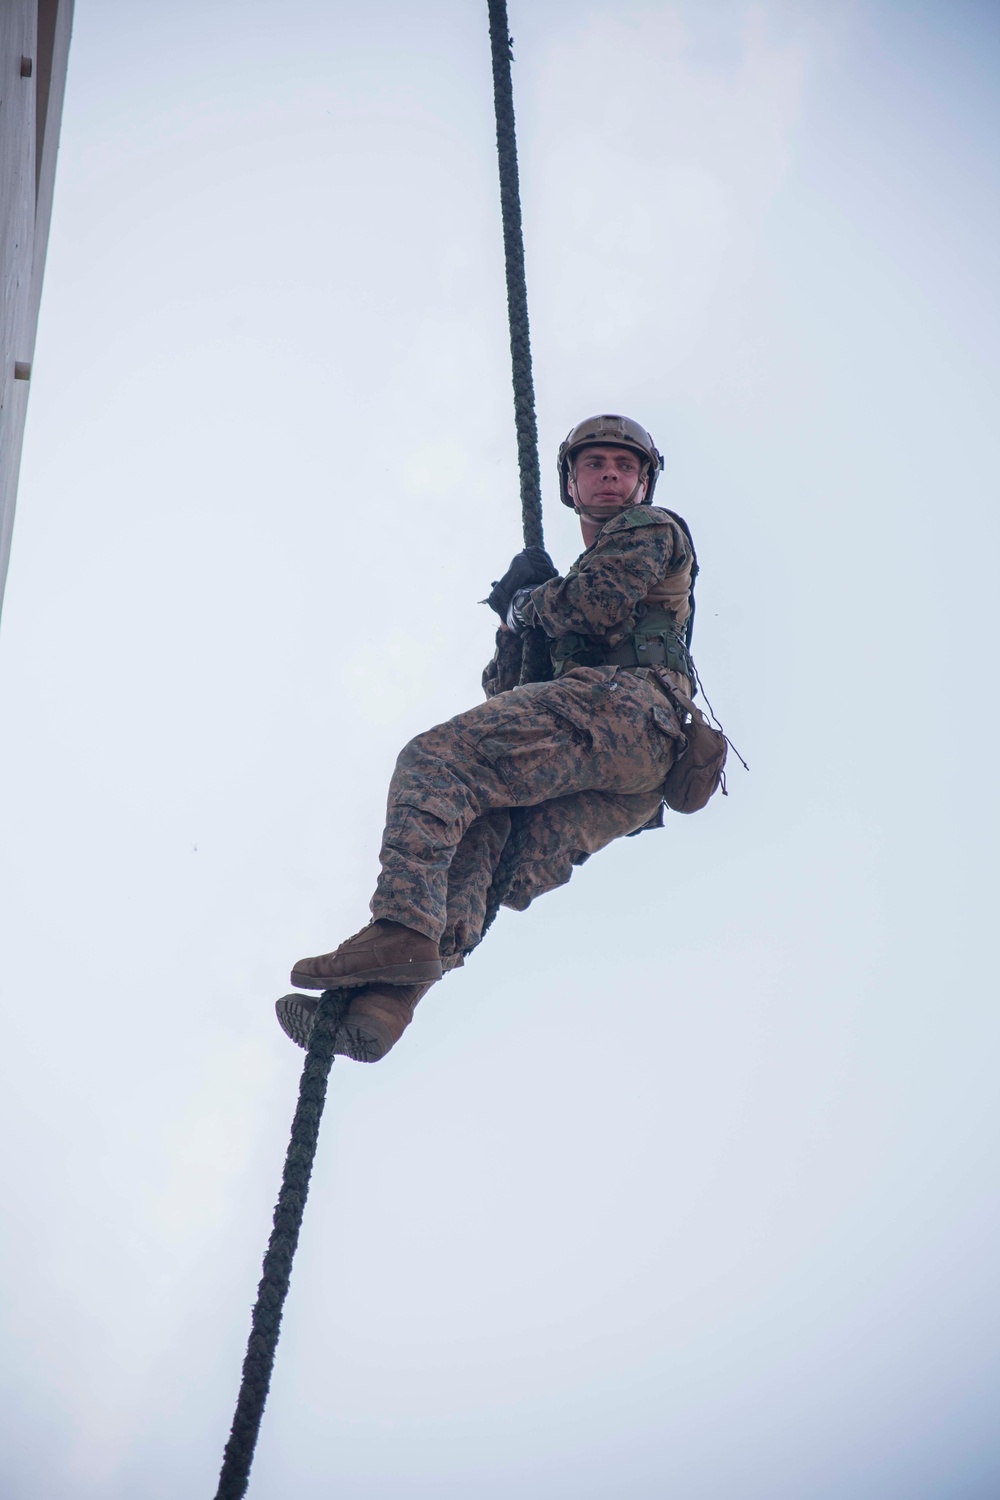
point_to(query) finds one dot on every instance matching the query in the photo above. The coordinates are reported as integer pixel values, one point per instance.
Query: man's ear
(571, 480)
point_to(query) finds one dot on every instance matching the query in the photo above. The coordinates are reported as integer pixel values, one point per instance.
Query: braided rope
(265, 1322)
(536, 664)
(517, 290)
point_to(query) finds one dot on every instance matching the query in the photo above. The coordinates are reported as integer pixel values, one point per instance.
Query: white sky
(686, 1186)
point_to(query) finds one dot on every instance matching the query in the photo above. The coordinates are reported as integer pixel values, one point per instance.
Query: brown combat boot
(383, 952)
(373, 1022)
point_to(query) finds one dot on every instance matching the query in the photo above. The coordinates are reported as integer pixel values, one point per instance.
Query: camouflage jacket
(641, 560)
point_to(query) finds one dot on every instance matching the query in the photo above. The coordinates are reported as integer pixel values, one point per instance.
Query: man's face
(602, 480)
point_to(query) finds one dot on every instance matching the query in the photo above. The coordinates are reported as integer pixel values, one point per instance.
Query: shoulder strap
(689, 622)
(654, 515)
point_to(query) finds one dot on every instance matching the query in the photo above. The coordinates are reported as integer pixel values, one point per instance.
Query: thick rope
(535, 654)
(265, 1322)
(517, 290)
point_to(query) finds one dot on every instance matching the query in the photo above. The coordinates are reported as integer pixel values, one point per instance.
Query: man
(497, 805)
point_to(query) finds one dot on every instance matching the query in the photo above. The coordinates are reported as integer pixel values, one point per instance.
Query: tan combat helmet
(618, 432)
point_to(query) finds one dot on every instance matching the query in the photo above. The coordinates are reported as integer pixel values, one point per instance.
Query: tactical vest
(659, 631)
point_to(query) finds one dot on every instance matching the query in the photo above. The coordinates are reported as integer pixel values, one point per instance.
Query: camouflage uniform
(550, 771)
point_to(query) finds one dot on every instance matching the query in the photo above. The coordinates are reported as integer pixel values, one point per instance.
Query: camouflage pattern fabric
(641, 559)
(504, 671)
(584, 756)
(568, 765)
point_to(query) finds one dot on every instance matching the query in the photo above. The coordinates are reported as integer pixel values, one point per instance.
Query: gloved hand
(530, 567)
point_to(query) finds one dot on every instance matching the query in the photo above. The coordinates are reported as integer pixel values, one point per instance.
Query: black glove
(528, 568)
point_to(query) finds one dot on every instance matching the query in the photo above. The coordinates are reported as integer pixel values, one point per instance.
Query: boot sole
(425, 973)
(297, 1018)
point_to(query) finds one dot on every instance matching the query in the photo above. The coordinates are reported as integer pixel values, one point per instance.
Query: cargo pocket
(533, 755)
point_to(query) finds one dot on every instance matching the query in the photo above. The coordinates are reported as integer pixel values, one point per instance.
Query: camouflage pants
(582, 758)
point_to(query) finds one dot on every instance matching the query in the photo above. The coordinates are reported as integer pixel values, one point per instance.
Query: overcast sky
(686, 1186)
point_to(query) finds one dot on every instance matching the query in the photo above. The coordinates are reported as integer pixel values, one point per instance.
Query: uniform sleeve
(504, 671)
(613, 577)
